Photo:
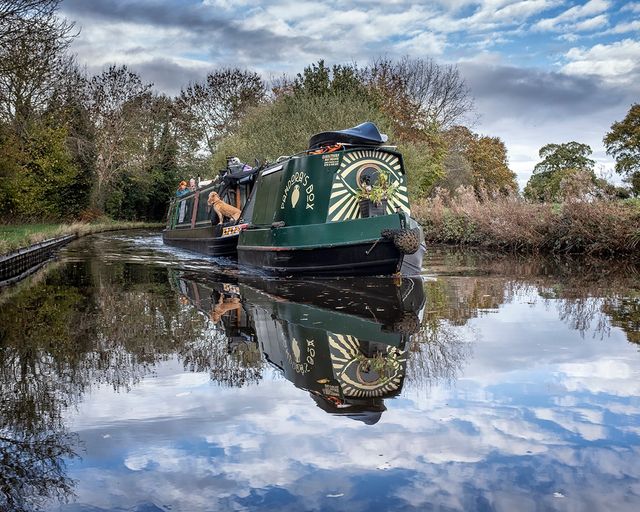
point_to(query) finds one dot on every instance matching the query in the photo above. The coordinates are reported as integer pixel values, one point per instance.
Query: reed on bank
(13, 237)
(590, 226)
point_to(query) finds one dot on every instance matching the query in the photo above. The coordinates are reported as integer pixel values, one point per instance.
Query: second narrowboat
(208, 219)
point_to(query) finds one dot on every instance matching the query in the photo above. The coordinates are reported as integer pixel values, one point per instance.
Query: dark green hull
(202, 240)
(193, 225)
(348, 248)
(349, 260)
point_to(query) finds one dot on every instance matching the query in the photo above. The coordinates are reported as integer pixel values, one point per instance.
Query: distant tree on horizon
(560, 163)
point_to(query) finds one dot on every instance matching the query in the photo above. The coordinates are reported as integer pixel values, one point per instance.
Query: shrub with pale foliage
(595, 227)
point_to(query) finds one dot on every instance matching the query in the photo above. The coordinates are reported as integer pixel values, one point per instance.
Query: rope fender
(407, 241)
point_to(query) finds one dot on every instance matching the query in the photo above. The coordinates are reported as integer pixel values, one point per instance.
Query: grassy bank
(13, 237)
(591, 227)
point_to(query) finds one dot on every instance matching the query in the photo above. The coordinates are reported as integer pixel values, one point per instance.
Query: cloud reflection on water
(521, 393)
(526, 419)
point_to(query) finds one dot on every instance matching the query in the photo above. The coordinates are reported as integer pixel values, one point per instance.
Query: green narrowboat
(193, 224)
(339, 208)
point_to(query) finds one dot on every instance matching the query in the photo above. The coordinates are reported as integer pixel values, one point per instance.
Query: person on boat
(192, 185)
(182, 189)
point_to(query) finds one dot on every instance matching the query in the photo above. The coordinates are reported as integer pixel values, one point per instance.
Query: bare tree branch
(213, 108)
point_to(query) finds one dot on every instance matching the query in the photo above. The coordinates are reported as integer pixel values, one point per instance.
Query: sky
(540, 71)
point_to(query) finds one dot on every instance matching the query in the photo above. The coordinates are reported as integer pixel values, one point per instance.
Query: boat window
(277, 168)
(247, 211)
(230, 197)
(244, 193)
(185, 208)
(203, 206)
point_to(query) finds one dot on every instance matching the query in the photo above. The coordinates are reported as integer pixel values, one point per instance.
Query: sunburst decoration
(364, 377)
(343, 204)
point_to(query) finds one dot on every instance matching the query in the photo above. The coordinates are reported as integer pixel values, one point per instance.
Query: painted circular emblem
(300, 362)
(367, 175)
(359, 169)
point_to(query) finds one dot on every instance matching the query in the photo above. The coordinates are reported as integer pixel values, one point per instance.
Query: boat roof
(365, 134)
(241, 175)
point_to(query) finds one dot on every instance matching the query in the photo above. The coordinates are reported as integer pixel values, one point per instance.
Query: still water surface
(134, 377)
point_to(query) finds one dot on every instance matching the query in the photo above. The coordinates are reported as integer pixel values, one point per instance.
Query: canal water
(135, 377)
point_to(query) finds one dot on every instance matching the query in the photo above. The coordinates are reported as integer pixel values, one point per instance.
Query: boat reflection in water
(344, 340)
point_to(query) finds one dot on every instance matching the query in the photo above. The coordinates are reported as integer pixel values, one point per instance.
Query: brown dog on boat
(222, 209)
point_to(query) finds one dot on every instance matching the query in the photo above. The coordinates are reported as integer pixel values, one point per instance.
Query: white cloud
(490, 15)
(227, 5)
(423, 44)
(624, 28)
(569, 36)
(616, 62)
(611, 376)
(591, 23)
(523, 10)
(569, 420)
(571, 15)
(631, 7)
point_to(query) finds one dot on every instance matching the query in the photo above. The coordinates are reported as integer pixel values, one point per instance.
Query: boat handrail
(192, 193)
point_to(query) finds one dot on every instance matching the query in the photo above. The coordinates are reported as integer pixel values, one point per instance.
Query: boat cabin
(191, 211)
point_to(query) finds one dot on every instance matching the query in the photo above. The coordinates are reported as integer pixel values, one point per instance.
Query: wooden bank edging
(19, 264)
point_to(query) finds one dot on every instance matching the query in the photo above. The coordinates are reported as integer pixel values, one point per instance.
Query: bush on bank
(599, 227)
(284, 126)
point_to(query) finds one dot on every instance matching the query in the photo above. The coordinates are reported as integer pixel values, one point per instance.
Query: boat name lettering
(301, 364)
(298, 183)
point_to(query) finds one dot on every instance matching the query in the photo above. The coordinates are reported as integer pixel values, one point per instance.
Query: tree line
(79, 146)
